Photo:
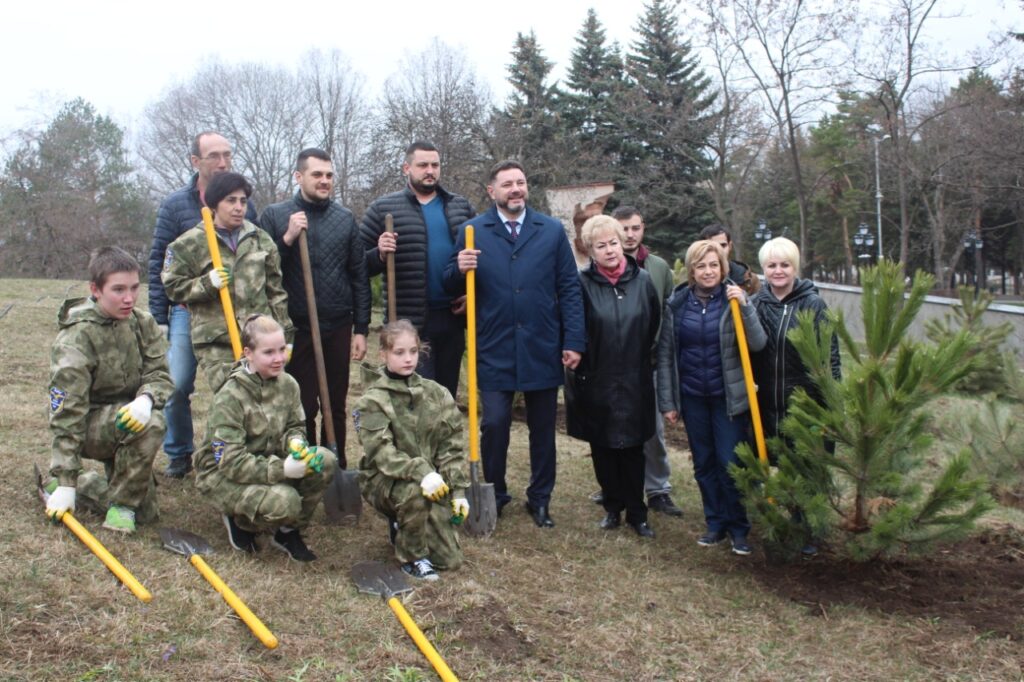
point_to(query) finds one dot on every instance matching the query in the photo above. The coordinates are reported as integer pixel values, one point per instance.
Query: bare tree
(790, 53)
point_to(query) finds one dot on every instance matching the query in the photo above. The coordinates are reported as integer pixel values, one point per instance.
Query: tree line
(739, 113)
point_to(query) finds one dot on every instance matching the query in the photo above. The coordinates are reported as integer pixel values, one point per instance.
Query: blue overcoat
(528, 302)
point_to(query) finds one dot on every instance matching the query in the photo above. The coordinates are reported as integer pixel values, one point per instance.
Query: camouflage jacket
(251, 421)
(256, 286)
(408, 429)
(97, 360)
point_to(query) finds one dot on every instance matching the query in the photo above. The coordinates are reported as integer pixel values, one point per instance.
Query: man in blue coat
(529, 324)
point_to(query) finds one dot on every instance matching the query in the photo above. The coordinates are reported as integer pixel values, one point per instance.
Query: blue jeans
(182, 365)
(713, 439)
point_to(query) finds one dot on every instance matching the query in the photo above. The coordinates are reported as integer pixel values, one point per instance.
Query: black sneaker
(392, 531)
(422, 569)
(740, 546)
(240, 539)
(179, 467)
(710, 539)
(664, 504)
(291, 543)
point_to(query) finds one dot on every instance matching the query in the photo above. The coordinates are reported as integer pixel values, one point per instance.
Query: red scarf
(613, 275)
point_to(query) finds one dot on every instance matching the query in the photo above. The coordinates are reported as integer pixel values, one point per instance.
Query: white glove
(61, 500)
(135, 415)
(220, 277)
(294, 468)
(460, 510)
(434, 487)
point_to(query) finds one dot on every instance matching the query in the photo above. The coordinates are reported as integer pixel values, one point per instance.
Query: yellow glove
(460, 510)
(135, 415)
(433, 486)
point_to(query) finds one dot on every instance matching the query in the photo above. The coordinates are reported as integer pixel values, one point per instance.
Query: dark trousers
(620, 472)
(446, 334)
(713, 439)
(337, 345)
(494, 435)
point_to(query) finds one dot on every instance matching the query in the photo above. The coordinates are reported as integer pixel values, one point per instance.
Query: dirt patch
(481, 624)
(978, 582)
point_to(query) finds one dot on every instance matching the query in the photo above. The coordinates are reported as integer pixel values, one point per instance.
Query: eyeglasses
(216, 156)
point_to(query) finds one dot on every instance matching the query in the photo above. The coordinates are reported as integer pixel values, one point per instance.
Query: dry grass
(575, 603)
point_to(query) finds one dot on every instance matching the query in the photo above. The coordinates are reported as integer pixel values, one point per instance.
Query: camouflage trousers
(127, 460)
(424, 527)
(216, 361)
(259, 507)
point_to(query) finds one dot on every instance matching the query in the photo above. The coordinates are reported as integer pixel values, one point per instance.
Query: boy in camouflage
(255, 465)
(251, 270)
(413, 458)
(108, 384)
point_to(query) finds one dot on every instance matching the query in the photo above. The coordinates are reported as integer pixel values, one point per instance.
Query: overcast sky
(120, 56)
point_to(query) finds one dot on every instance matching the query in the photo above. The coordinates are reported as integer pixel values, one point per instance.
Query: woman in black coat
(610, 395)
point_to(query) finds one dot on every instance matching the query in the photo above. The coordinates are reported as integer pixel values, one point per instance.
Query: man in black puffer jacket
(180, 212)
(340, 284)
(425, 216)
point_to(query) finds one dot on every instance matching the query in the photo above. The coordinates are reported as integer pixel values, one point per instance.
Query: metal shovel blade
(483, 507)
(343, 501)
(183, 542)
(375, 577)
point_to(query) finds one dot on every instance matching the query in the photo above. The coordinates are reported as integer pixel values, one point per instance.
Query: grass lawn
(572, 603)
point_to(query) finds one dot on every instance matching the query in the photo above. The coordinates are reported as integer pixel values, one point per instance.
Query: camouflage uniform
(409, 429)
(256, 287)
(98, 365)
(241, 467)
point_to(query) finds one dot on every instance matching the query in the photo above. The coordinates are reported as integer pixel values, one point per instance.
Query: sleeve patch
(168, 258)
(356, 417)
(218, 450)
(57, 397)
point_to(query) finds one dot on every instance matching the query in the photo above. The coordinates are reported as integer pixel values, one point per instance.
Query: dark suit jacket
(528, 302)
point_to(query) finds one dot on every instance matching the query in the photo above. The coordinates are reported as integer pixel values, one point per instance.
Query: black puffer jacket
(411, 254)
(778, 370)
(336, 258)
(610, 398)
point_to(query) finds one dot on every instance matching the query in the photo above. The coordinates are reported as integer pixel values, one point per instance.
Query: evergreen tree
(595, 75)
(872, 494)
(665, 118)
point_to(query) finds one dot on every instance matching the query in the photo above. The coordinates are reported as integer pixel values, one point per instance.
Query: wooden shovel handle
(389, 227)
(97, 548)
(748, 377)
(225, 295)
(318, 346)
(248, 617)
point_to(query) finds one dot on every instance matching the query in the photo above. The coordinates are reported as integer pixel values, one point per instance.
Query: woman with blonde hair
(708, 387)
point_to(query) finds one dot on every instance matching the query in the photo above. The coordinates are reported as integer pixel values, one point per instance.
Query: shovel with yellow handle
(483, 507)
(192, 546)
(97, 548)
(225, 295)
(374, 577)
(748, 377)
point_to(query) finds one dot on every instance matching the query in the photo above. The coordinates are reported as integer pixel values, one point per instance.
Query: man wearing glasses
(179, 212)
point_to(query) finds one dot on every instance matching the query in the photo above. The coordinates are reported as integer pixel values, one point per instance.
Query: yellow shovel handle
(97, 548)
(443, 671)
(248, 617)
(225, 295)
(474, 432)
(748, 377)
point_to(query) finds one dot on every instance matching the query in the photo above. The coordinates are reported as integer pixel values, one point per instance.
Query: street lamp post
(863, 242)
(761, 232)
(878, 195)
(973, 244)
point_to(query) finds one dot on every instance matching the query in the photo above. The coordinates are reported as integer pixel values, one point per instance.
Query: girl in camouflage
(413, 466)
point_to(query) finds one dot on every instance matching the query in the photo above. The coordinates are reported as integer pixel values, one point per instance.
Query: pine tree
(872, 494)
(665, 118)
(595, 75)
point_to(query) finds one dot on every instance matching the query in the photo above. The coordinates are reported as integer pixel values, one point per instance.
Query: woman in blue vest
(708, 386)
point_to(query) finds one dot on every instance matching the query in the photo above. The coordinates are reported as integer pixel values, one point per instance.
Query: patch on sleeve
(218, 450)
(168, 258)
(355, 420)
(57, 397)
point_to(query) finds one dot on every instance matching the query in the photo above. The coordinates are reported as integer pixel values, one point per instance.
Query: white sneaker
(422, 569)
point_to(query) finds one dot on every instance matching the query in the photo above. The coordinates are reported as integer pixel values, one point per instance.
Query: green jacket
(409, 429)
(96, 360)
(251, 421)
(256, 286)
(661, 274)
